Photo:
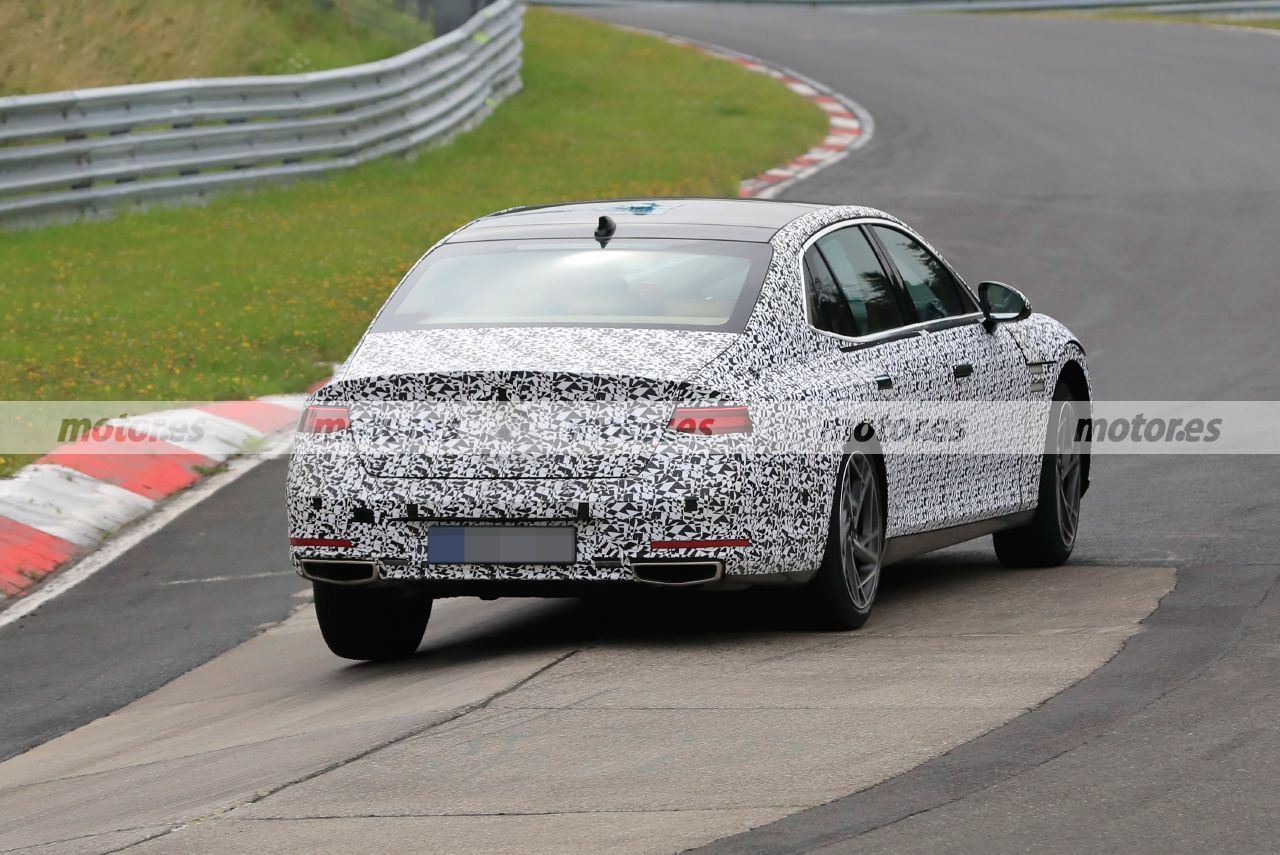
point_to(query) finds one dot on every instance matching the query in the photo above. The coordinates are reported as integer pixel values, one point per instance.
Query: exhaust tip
(677, 572)
(340, 572)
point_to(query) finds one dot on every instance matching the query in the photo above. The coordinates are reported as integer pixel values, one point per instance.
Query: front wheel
(373, 624)
(1048, 539)
(842, 593)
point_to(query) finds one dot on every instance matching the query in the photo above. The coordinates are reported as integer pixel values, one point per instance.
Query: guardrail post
(451, 14)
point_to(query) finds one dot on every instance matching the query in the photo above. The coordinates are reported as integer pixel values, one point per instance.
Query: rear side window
(828, 309)
(929, 284)
(862, 281)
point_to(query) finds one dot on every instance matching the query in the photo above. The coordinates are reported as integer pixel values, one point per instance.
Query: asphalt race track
(1125, 176)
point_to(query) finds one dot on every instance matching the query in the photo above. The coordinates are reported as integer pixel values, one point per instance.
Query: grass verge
(258, 293)
(1136, 13)
(72, 44)
(1225, 21)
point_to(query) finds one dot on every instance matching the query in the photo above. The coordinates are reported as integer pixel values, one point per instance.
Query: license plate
(502, 544)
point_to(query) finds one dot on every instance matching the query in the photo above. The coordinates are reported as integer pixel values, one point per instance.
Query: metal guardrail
(82, 152)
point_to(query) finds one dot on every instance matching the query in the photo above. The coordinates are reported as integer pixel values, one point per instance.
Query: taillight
(324, 420)
(710, 420)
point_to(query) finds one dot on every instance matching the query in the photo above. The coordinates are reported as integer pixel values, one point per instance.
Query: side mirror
(1002, 304)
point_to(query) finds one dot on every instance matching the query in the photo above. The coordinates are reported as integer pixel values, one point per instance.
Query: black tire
(371, 624)
(1047, 541)
(856, 563)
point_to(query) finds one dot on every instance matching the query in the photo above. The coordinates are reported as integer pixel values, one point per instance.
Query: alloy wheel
(861, 521)
(1068, 468)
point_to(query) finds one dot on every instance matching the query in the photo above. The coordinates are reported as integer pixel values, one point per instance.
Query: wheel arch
(1073, 374)
(868, 443)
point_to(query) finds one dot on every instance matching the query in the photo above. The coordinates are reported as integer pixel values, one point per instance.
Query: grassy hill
(47, 45)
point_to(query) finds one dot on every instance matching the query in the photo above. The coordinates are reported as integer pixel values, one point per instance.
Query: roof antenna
(605, 230)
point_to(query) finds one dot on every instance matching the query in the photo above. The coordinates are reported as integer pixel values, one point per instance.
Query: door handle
(884, 381)
(962, 370)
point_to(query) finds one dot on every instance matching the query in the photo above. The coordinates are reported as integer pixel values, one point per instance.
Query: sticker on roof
(639, 209)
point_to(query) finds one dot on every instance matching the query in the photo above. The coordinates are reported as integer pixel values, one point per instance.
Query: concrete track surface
(1123, 174)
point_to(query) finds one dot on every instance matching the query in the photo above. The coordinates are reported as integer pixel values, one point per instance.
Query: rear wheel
(1048, 539)
(371, 623)
(842, 593)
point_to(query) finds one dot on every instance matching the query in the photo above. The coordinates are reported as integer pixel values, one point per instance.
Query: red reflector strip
(324, 420)
(699, 544)
(318, 541)
(710, 420)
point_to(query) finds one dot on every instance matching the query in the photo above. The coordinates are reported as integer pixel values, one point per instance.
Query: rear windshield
(676, 284)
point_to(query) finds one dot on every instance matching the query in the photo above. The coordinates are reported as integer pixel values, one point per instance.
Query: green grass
(1136, 13)
(47, 45)
(1261, 23)
(258, 293)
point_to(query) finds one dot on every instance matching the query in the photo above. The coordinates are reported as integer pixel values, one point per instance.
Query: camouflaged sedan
(593, 397)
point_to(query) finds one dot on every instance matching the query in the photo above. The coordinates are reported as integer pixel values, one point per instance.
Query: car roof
(696, 219)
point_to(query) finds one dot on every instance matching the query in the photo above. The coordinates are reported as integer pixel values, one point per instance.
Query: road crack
(454, 715)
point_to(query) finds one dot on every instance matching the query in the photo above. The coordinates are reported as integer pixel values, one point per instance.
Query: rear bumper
(388, 523)
(756, 516)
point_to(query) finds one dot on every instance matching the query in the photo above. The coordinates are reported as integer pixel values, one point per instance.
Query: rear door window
(828, 309)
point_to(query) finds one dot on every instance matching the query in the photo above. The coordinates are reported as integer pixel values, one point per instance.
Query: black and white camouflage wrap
(401, 383)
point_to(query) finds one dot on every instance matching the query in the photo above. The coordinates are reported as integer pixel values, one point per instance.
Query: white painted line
(67, 578)
(68, 504)
(232, 578)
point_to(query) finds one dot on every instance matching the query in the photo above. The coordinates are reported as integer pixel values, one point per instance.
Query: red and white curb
(67, 502)
(849, 125)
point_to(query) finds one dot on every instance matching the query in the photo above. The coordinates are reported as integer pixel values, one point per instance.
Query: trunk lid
(519, 402)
